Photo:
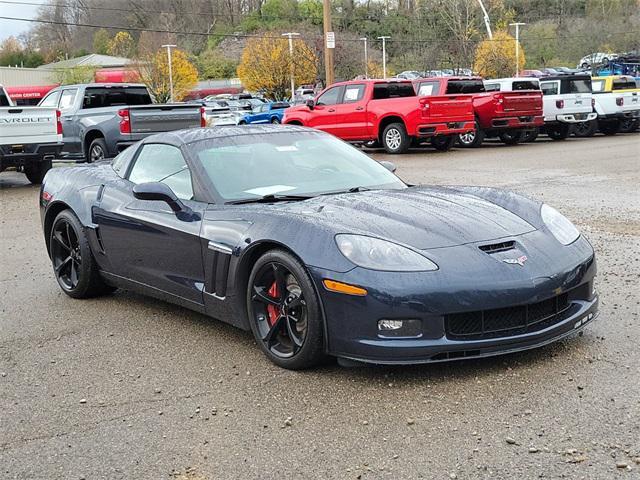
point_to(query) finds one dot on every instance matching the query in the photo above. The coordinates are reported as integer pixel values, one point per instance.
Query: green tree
(101, 41)
(213, 65)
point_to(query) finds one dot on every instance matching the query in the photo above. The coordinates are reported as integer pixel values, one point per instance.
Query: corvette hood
(422, 217)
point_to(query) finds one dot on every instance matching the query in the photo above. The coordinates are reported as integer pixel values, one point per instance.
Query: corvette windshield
(245, 167)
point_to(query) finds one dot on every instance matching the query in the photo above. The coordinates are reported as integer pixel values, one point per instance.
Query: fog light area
(399, 328)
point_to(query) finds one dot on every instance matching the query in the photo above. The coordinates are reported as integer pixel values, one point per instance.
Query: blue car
(271, 112)
(318, 249)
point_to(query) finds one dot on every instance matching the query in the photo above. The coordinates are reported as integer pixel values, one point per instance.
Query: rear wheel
(511, 137)
(35, 172)
(629, 125)
(444, 143)
(472, 139)
(585, 129)
(530, 136)
(97, 150)
(395, 138)
(73, 264)
(610, 128)
(558, 132)
(284, 311)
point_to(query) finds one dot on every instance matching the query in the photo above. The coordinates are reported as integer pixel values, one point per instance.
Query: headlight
(376, 254)
(564, 231)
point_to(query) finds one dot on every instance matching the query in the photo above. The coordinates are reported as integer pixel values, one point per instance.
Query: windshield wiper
(350, 190)
(271, 198)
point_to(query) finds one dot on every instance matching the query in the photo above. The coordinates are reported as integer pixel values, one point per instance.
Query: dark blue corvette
(318, 249)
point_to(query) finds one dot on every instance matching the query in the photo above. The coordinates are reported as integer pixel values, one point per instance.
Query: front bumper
(426, 130)
(519, 122)
(576, 117)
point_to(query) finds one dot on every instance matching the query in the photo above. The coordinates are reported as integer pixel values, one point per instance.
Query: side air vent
(498, 247)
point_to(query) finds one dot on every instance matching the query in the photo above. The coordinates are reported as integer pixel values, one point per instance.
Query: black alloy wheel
(585, 129)
(284, 311)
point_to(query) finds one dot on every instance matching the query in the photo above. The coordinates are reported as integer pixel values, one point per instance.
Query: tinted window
(623, 83)
(525, 85)
(393, 90)
(4, 100)
(67, 98)
(158, 162)
(576, 86)
(427, 88)
(353, 93)
(50, 100)
(331, 96)
(279, 105)
(549, 88)
(491, 87)
(465, 86)
(99, 97)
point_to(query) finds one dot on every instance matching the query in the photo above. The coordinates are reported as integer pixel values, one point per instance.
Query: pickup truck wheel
(585, 129)
(275, 120)
(530, 136)
(36, 171)
(73, 263)
(511, 137)
(395, 138)
(97, 150)
(558, 132)
(443, 143)
(471, 139)
(629, 125)
(610, 128)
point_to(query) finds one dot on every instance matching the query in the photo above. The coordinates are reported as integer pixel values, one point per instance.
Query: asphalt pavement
(126, 387)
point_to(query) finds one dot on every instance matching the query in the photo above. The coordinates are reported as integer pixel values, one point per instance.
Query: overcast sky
(11, 27)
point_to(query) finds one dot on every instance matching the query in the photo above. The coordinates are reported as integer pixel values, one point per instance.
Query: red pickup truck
(387, 112)
(506, 115)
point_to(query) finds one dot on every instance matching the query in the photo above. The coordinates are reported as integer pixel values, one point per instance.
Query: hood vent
(498, 247)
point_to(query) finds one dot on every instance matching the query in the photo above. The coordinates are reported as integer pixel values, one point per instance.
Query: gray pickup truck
(99, 120)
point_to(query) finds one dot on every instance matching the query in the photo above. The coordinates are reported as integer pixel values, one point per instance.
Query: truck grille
(506, 322)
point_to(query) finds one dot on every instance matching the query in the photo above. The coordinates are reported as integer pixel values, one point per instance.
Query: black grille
(506, 322)
(497, 247)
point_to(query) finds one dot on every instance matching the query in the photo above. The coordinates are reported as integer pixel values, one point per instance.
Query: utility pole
(384, 55)
(486, 19)
(293, 81)
(366, 58)
(517, 25)
(169, 47)
(329, 43)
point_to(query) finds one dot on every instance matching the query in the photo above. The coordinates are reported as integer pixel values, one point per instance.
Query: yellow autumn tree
(497, 58)
(266, 65)
(121, 45)
(154, 72)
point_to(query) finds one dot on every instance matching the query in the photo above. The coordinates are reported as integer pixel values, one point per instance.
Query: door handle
(359, 108)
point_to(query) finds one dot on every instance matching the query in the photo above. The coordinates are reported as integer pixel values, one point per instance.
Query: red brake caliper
(273, 310)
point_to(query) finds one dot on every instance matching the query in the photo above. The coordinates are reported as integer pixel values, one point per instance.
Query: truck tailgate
(164, 118)
(28, 125)
(523, 101)
(450, 107)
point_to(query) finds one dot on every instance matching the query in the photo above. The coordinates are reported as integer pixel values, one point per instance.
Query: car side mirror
(159, 191)
(389, 165)
(311, 104)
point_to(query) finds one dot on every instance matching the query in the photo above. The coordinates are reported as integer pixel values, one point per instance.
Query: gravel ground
(132, 388)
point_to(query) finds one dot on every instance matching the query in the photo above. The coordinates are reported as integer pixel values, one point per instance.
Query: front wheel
(284, 311)
(73, 264)
(35, 172)
(443, 143)
(558, 132)
(395, 138)
(511, 137)
(585, 129)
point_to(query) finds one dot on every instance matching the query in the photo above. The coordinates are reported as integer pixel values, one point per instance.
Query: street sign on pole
(331, 40)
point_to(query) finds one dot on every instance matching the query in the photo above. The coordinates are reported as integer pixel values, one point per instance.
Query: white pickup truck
(567, 101)
(30, 138)
(617, 103)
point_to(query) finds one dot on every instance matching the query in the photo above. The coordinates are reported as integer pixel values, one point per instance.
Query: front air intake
(498, 247)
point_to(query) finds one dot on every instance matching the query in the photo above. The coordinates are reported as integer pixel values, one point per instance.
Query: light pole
(290, 35)
(169, 47)
(486, 19)
(384, 55)
(366, 58)
(517, 25)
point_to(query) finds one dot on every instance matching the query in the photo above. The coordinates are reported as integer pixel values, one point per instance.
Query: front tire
(35, 172)
(558, 132)
(74, 267)
(511, 137)
(444, 143)
(284, 311)
(472, 139)
(395, 138)
(97, 150)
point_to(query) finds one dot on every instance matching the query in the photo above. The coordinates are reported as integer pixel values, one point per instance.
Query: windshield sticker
(270, 190)
(287, 148)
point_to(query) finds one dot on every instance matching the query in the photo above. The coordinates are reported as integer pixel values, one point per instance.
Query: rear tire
(395, 138)
(97, 150)
(35, 172)
(530, 136)
(629, 125)
(444, 143)
(585, 129)
(472, 139)
(511, 137)
(558, 132)
(74, 267)
(610, 128)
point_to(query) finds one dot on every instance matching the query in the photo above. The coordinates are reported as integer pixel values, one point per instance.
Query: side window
(104, 97)
(51, 100)
(492, 87)
(426, 88)
(159, 162)
(4, 99)
(68, 98)
(525, 85)
(353, 93)
(122, 160)
(549, 88)
(330, 97)
(597, 86)
(623, 84)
